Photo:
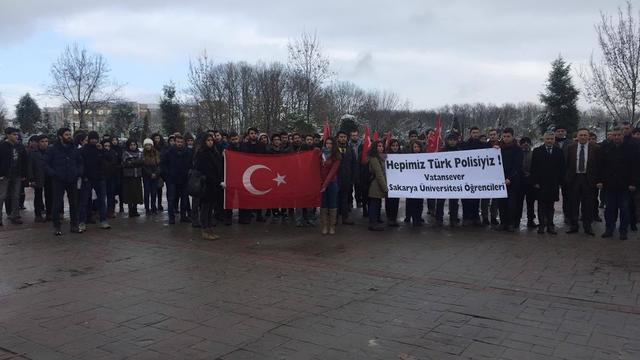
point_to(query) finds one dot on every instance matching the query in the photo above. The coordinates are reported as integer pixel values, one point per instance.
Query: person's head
(308, 139)
(549, 138)
(263, 138)
(415, 146)
(413, 135)
(507, 136)
(635, 133)
(329, 143)
(147, 144)
(342, 138)
(492, 134)
(179, 141)
(354, 135)
(582, 135)
(430, 132)
(376, 149)
(80, 138)
(93, 137)
(106, 137)
(12, 134)
(284, 137)
(157, 139)
(617, 136)
(296, 139)
(189, 140)
(252, 134)
(106, 145)
(561, 132)
(452, 140)
(217, 136)
(171, 140)
(525, 143)
(114, 141)
(626, 128)
(43, 142)
(394, 145)
(132, 145)
(317, 139)
(474, 133)
(593, 138)
(234, 138)
(32, 143)
(64, 135)
(275, 140)
(206, 141)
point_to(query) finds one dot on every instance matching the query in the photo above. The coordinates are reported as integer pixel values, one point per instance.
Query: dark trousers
(527, 193)
(110, 186)
(470, 209)
(206, 214)
(175, 193)
(159, 196)
(150, 187)
(42, 204)
(596, 203)
(546, 211)
(489, 209)
(59, 188)
(391, 206)
(581, 201)
(415, 207)
(633, 215)
(507, 207)
(344, 201)
(10, 193)
(617, 204)
(453, 210)
(85, 203)
(375, 206)
(431, 206)
(567, 202)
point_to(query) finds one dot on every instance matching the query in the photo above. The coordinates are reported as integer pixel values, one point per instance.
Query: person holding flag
(329, 165)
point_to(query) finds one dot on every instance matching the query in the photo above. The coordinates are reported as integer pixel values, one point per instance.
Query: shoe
(573, 230)
(509, 228)
(260, 219)
(207, 235)
(160, 208)
(324, 221)
(607, 234)
(494, 222)
(57, 232)
(147, 212)
(40, 219)
(185, 219)
(244, 222)
(111, 215)
(172, 220)
(105, 225)
(589, 231)
(597, 219)
(407, 220)
(134, 214)
(541, 230)
(196, 225)
(439, 223)
(333, 218)
(623, 236)
(376, 227)
(16, 221)
(299, 223)
(82, 227)
(393, 223)
(552, 231)
(633, 227)
(48, 218)
(486, 222)
(76, 230)
(531, 224)
(228, 221)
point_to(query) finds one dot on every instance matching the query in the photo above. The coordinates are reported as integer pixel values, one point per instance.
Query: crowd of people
(100, 175)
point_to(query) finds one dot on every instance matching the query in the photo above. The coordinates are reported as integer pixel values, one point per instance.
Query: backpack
(196, 184)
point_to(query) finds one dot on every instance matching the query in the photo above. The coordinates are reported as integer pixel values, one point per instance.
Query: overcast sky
(429, 52)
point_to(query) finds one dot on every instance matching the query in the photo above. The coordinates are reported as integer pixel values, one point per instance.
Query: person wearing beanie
(92, 181)
(13, 170)
(150, 176)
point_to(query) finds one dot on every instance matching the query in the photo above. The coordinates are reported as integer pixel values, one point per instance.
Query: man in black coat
(347, 176)
(512, 165)
(40, 181)
(527, 193)
(252, 146)
(471, 207)
(618, 176)
(93, 180)
(13, 170)
(175, 165)
(547, 174)
(581, 159)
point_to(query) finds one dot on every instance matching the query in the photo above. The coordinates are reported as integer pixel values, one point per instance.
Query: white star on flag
(280, 179)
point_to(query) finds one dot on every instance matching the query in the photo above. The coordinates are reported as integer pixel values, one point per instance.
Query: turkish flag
(257, 181)
(434, 140)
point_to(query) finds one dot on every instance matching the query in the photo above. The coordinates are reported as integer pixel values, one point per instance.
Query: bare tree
(203, 87)
(310, 68)
(82, 79)
(3, 114)
(613, 81)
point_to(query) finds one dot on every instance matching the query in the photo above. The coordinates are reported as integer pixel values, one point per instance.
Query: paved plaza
(144, 290)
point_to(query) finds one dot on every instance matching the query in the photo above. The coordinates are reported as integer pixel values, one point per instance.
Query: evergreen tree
(45, 126)
(28, 114)
(122, 116)
(172, 120)
(145, 124)
(560, 99)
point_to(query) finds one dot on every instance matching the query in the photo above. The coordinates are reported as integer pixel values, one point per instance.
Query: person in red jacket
(330, 162)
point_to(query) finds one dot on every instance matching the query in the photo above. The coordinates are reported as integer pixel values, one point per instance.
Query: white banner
(471, 174)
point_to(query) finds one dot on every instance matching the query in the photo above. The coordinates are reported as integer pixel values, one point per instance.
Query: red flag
(326, 131)
(257, 181)
(376, 136)
(387, 140)
(366, 144)
(434, 142)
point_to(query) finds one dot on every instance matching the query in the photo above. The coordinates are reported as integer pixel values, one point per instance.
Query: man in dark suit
(547, 174)
(582, 171)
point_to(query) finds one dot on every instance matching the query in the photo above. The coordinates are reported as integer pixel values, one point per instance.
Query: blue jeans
(617, 202)
(177, 192)
(330, 196)
(150, 193)
(99, 186)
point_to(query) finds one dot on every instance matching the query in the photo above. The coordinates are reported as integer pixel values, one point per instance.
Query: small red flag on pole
(366, 144)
